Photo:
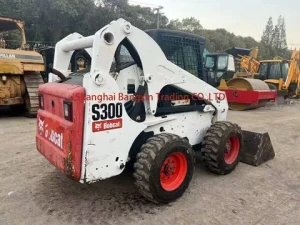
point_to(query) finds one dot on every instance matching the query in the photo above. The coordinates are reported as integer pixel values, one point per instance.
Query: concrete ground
(32, 191)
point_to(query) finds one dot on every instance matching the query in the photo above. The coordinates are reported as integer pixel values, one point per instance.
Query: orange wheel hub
(232, 150)
(173, 171)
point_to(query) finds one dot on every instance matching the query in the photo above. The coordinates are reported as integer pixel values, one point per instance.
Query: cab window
(285, 70)
(263, 70)
(275, 71)
(210, 62)
(222, 62)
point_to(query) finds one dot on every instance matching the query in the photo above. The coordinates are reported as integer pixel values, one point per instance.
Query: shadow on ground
(115, 199)
(7, 112)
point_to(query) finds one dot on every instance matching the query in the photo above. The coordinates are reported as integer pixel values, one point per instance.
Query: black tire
(214, 147)
(149, 163)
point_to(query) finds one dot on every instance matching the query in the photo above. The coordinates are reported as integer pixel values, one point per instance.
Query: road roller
(247, 93)
(243, 92)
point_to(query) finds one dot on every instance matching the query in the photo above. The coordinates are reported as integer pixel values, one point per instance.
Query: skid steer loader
(133, 105)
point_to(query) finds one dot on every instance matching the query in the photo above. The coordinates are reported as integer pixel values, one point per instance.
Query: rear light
(41, 101)
(68, 111)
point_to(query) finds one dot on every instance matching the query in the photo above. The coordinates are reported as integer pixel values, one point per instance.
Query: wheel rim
(232, 149)
(173, 171)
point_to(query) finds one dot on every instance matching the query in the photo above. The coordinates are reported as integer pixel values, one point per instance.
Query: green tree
(191, 24)
(188, 24)
(276, 38)
(279, 38)
(51, 20)
(282, 34)
(273, 42)
(267, 37)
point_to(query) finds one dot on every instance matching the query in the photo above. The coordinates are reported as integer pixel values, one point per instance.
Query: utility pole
(158, 15)
(154, 7)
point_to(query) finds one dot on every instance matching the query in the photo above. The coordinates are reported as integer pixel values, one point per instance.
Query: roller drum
(247, 84)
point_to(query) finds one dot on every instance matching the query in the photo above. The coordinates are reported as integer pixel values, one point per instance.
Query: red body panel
(57, 139)
(249, 97)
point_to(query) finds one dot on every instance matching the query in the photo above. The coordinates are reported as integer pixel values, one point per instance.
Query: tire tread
(146, 159)
(211, 145)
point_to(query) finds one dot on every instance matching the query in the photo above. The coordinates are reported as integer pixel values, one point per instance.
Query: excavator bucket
(258, 148)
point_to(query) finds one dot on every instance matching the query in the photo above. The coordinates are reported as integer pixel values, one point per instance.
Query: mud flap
(258, 148)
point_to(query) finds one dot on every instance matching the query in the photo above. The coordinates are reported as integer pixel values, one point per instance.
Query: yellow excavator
(20, 70)
(282, 75)
(279, 74)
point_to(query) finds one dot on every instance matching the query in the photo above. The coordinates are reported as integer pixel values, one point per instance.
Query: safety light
(41, 101)
(68, 111)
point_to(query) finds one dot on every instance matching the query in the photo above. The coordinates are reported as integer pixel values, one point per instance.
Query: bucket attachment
(258, 148)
